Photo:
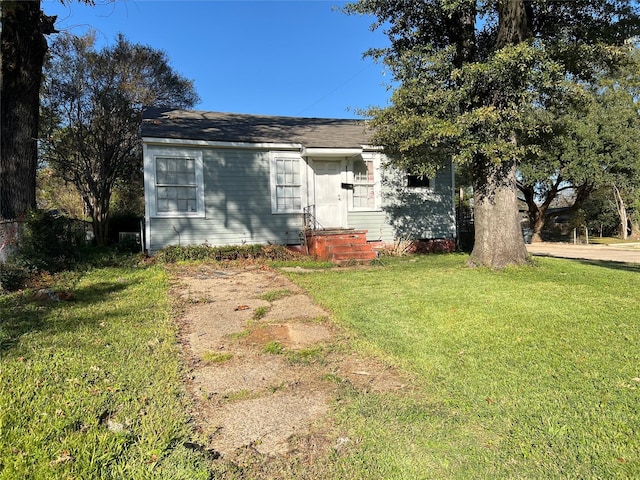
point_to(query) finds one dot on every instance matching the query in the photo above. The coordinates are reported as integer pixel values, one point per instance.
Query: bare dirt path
(266, 362)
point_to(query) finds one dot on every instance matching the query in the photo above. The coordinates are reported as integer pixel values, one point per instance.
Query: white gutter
(207, 143)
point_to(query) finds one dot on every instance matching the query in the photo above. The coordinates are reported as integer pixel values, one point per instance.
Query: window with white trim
(178, 186)
(364, 196)
(417, 181)
(286, 184)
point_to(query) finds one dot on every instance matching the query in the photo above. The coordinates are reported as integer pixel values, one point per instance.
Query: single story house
(231, 179)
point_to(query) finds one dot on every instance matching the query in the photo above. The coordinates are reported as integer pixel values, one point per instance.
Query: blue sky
(293, 58)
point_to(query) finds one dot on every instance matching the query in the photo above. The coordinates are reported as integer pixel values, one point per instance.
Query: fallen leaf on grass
(115, 427)
(63, 457)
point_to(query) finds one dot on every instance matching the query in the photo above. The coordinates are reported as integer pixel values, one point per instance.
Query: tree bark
(23, 47)
(514, 24)
(498, 235)
(635, 228)
(535, 212)
(622, 213)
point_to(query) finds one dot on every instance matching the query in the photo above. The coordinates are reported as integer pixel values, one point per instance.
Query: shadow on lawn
(24, 313)
(627, 267)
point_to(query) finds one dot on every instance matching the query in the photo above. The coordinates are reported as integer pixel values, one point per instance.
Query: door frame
(341, 217)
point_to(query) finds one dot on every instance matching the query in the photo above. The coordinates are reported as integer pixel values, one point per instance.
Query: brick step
(353, 257)
(341, 239)
(340, 246)
(348, 248)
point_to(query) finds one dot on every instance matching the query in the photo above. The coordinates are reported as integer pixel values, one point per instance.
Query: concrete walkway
(627, 252)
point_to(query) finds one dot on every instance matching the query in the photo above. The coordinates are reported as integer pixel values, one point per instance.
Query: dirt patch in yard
(265, 364)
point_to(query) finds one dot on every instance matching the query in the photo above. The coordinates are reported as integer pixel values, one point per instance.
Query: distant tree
(54, 193)
(22, 51)
(591, 143)
(93, 102)
(600, 213)
(470, 72)
(625, 187)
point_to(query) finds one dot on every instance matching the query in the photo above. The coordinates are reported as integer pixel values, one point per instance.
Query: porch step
(348, 257)
(340, 246)
(343, 248)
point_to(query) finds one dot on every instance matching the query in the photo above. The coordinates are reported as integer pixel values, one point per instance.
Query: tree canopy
(471, 74)
(92, 103)
(591, 143)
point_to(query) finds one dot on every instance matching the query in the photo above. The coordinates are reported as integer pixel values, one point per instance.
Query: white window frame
(286, 156)
(199, 183)
(377, 204)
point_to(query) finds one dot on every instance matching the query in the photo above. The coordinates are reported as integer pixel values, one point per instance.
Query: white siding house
(227, 179)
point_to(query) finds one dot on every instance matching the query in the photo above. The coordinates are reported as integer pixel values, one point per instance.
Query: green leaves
(92, 109)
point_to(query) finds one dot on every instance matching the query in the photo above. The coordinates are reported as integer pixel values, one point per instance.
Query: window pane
(363, 190)
(359, 171)
(414, 181)
(287, 188)
(176, 199)
(175, 171)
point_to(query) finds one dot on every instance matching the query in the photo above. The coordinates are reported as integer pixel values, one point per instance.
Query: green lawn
(91, 388)
(524, 373)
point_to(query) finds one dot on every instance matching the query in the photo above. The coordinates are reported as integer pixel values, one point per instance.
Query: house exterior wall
(410, 213)
(237, 207)
(237, 204)
(420, 213)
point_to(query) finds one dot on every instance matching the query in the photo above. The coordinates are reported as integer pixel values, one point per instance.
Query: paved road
(628, 252)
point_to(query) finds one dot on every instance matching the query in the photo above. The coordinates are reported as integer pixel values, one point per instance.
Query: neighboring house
(230, 179)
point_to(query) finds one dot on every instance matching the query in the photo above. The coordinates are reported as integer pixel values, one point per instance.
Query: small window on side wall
(177, 185)
(417, 181)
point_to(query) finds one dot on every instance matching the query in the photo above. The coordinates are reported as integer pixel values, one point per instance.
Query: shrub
(49, 242)
(437, 245)
(174, 253)
(12, 276)
(404, 247)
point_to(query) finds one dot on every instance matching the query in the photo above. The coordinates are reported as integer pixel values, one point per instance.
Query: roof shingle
(245, 128)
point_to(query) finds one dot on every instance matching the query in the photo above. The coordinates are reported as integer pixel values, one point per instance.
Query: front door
(329, 195)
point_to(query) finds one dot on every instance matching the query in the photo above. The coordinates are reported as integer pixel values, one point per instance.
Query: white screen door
(329, 201)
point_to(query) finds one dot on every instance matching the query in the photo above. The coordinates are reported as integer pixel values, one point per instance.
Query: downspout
(147, 190)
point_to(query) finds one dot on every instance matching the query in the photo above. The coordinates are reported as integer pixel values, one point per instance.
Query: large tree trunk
(23, 47)
(498, 235)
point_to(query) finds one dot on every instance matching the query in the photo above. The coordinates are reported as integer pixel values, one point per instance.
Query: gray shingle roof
(234, 127)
